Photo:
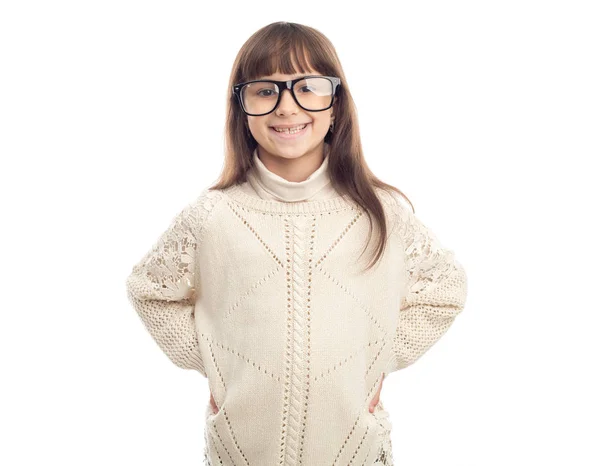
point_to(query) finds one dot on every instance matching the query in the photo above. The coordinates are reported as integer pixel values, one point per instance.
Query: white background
(486, 114)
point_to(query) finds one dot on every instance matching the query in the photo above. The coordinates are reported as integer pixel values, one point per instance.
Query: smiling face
(307, 142)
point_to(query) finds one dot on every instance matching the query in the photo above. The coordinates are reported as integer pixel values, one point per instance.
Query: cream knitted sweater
(259, 288)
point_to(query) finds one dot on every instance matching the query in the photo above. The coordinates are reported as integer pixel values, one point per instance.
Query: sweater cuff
(195, 362)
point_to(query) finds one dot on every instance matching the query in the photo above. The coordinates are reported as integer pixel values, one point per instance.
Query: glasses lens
(259, 97)
(312, 93)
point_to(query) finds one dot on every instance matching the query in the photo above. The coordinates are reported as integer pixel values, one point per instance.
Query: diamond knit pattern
(269, 301)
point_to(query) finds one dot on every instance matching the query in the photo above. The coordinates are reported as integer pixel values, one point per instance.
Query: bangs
(292, 53)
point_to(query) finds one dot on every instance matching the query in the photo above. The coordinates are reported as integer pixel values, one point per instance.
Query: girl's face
(310, 141)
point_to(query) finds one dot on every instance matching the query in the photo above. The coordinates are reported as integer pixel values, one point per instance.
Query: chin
(289, 152)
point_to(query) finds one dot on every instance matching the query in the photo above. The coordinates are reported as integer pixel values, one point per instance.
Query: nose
(287, 103)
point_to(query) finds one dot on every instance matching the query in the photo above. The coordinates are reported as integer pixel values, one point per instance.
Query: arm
(161, 287)
(436, 289)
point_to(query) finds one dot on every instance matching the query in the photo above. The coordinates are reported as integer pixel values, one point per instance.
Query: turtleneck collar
(269, 185)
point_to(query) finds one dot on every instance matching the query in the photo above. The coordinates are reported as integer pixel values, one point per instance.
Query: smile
(290, 133)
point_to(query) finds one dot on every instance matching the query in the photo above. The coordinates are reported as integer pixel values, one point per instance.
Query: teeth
(293, 130)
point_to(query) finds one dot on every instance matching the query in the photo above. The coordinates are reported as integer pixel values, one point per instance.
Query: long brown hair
(291, 48)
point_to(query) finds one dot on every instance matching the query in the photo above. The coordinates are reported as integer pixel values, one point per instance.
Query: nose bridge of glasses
(286, 86)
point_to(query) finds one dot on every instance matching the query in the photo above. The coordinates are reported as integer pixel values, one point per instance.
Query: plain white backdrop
(486, 114)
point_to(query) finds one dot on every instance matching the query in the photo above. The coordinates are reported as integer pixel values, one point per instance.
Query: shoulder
(395, 204)
(207, 199)
(392, 199)
(197, 212)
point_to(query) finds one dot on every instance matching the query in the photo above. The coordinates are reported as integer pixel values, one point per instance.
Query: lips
(290, 135)
(289, 126)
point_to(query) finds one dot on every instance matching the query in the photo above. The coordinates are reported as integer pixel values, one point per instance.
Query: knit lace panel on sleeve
(161, 286)
(436, 289)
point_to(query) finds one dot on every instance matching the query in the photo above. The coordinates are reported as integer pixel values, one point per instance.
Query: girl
(260, 285)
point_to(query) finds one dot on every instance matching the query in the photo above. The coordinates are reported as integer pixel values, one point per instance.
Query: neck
(270, 185)
(294, 169)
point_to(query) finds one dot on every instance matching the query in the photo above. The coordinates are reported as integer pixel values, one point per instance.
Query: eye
(261, 92)
(309, 89)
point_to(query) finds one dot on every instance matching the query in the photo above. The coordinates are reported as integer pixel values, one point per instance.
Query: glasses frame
(282, 86)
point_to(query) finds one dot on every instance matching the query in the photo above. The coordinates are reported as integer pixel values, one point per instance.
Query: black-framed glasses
(312, 93)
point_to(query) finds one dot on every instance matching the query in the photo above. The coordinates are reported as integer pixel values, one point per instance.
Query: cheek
(321, 125)
(258, 129)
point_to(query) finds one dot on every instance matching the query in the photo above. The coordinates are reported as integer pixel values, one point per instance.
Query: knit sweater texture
(260, 288)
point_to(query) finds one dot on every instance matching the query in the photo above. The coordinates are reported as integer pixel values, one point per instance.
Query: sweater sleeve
(161, 286)
(435, 294)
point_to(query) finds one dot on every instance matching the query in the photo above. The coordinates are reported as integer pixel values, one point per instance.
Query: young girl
(261, 285)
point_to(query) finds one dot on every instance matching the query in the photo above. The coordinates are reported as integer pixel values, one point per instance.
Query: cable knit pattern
(261, 288)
